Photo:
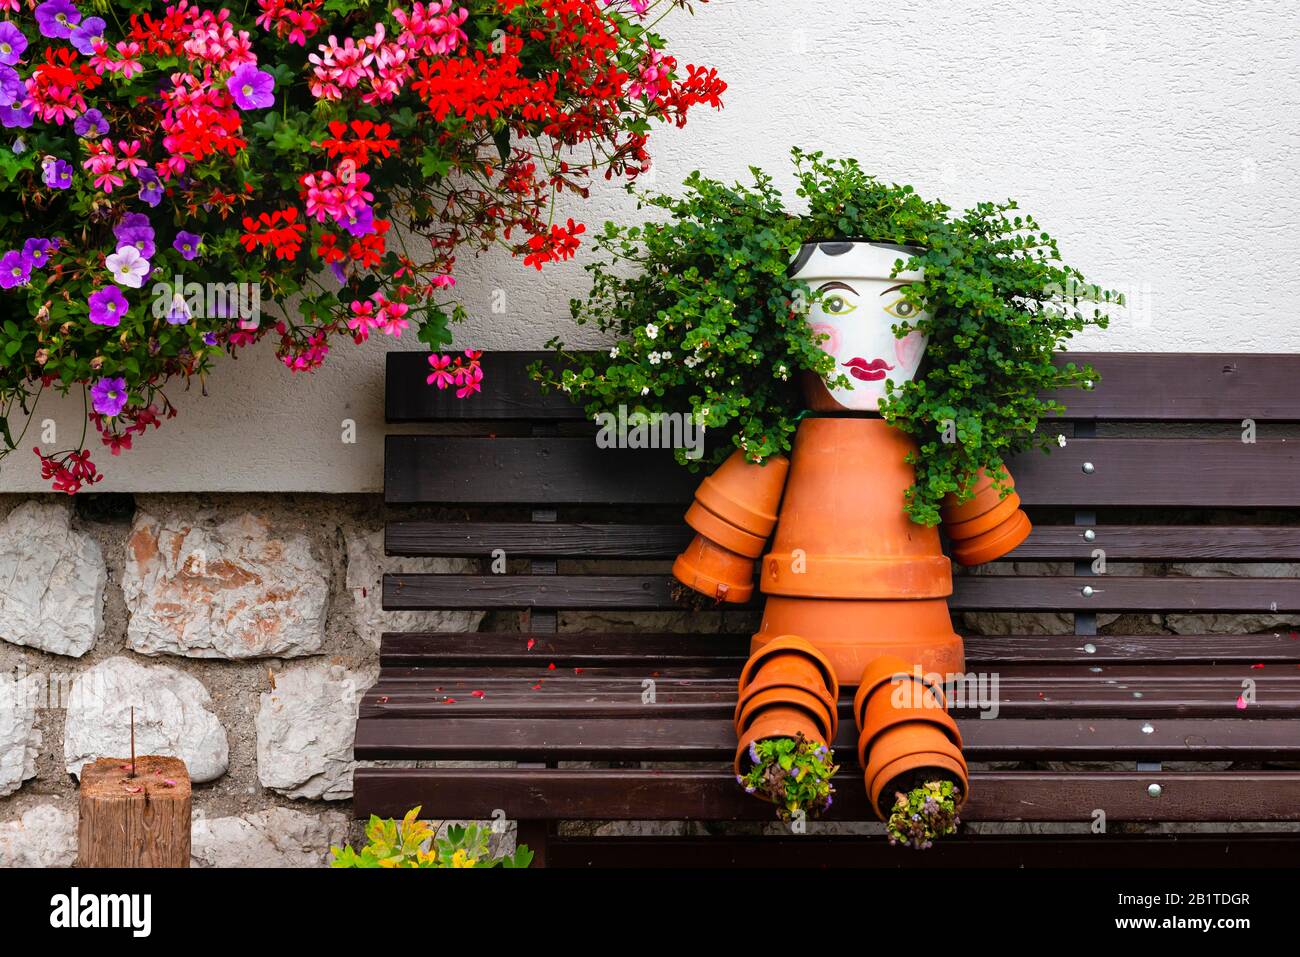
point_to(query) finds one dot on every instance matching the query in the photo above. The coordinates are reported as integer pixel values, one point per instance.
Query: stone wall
(243, 630)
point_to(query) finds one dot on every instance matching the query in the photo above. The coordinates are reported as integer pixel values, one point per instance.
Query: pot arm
(734, 512)
(987, 526)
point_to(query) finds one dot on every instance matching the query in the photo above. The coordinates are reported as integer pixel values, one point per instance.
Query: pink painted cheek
(909, 349)
(831, 345)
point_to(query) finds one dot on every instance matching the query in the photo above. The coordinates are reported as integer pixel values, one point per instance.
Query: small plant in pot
(874, 359)
(922, 811)
(793, 773)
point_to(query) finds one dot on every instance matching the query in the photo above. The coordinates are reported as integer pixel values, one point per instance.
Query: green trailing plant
(707, 320)
(922, 814)
(414, 843)
(794, 773)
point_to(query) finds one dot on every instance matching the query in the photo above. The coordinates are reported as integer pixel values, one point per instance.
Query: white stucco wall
(1157, 140)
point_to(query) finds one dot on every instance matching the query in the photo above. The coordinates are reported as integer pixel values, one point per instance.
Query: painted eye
(837, 305)
(900, 308)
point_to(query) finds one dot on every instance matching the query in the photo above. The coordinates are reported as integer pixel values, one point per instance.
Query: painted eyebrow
(836, 284)
(894, 288)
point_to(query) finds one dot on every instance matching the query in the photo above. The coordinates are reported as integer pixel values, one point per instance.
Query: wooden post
(134, 820)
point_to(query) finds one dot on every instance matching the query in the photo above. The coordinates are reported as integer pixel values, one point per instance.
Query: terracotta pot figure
(852, 584)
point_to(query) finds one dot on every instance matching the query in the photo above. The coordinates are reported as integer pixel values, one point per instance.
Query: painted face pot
(860, 304)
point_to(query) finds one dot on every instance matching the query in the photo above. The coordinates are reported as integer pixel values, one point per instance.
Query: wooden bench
(516, 475)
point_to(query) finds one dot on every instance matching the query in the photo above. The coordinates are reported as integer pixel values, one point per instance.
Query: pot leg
(787, 691)
(906, 738)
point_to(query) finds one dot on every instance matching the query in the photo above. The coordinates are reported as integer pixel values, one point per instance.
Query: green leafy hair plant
(414, 843)
(707, 319)
(794, 773)
(922, 814)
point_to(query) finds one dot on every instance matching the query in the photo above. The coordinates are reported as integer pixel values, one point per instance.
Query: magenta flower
(251, 88)
(56, 18)
(109, 396)
(107, 306)
(12, 43)
(187, 244)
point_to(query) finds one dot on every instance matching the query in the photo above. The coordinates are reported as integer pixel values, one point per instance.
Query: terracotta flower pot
(848, 570)
(717, 572)
(908, 754)
(987, 526)
(744, 494)
(790, 660)
(734, 511)
(758, 701)
(883, 671)
(904, 729)
(778, 721)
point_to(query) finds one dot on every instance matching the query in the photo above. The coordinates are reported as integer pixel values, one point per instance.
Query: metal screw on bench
(1089, 468)
(1154, 790)
(1086, 591)
(1148, 729)
(1090, 649)
(1089, 536)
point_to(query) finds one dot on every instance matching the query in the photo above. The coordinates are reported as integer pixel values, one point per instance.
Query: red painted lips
(872, 371)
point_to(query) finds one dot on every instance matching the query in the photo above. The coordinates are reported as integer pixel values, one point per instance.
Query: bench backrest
(1171, 458)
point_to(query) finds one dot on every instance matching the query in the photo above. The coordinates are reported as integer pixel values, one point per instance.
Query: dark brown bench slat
(573, 470)
(417, 591)
(1168, 386)
(1045, 543)
(975, 851)
(536, 540)
(459, 700)
(654, 735)
(589, 649)
(653, 794)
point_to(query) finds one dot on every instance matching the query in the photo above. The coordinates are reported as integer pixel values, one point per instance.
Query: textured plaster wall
(1157, 140)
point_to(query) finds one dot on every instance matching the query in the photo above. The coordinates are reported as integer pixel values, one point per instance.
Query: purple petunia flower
(12, 43)
(136, 230)
(85, 33)
(339, 273)
(210, 339)
(15, 117)
(187, 244)
(56, 18)
(362, 223)
(151, 187)
(109, 396)
(38, 251)
(251, 88)
(15, 269)
(107, 306)
(179, 312)
(11, 86)
(90, 123)
(56, 173)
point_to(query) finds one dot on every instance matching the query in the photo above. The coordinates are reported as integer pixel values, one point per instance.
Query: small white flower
(654, 358)
(651, 330)
(1060, 440)
(613, 353)
(127, 266)
(645, 390)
